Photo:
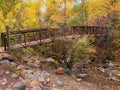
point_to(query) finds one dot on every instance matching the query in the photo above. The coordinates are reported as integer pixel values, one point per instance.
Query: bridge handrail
(44, 33)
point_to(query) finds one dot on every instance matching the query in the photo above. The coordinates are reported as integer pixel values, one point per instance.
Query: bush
(57, 50)
(80, 50)
(109, 55)
(116, 43)
(68, 52)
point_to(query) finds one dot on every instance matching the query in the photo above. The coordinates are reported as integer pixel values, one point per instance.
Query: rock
(79, 79)
(112, 78)
(7, 72)
(20, 86)
(32, 77)
(118, 87)
(60, 83)
(8, 89)
(5, 62)
(9, 57)
(36, 88)
(14, 76)
(45, 88)
(37, 73)
(53, 88)
(30, 71)
(115, 72)
(60, 71)
(20, 67)
(48, 80)
(118, 75)
(46, 74)
(13, 64)
(33, 64)
(111, 64)
(81, 75)
(41, 78)
(101, 69)
(3, 82)
(50, 59)
(68, 71)
(1, 73)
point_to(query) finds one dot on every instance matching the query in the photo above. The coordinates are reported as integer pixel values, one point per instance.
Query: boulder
(5, 62)
(9, 57)
(20, 86)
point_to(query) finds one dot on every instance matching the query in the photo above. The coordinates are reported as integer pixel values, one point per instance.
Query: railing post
(25, 40)
(8, 37)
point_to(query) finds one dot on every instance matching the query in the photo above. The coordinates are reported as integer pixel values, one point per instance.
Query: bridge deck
(32, 43)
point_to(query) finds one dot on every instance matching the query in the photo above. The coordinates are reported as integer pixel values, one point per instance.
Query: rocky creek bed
(20, 76)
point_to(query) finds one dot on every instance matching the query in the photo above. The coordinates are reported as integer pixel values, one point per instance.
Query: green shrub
(80, 50)
(68, 52)
(109, 55)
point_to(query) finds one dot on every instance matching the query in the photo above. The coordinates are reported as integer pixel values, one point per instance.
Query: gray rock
(60, 83)
(44, 87)
(5, 62)
(32, 77)
(20, 86)
(13, 64)
(68, 71)
(81, 75)
(50, 59)
(14, 76)
(42, 78)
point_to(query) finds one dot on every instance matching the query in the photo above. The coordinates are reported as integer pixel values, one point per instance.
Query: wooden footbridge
(24, 38)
